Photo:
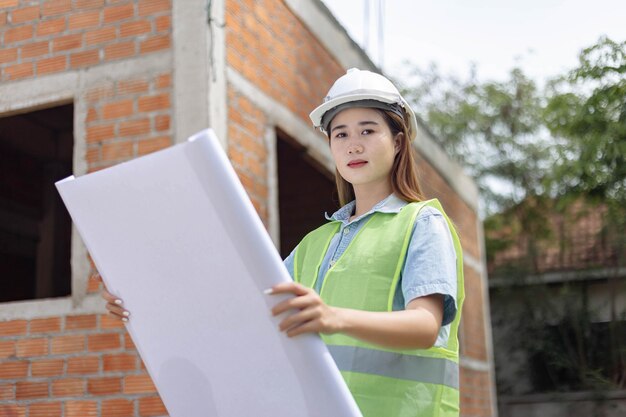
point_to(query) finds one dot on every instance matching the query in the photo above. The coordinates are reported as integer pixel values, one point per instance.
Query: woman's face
(362, 146)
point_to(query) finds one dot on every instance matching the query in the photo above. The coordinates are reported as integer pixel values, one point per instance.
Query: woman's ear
(397, 142)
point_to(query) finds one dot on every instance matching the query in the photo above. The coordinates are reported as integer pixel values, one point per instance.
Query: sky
(543, 37)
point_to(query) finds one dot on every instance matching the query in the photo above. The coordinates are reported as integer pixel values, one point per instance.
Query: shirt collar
(390, 204)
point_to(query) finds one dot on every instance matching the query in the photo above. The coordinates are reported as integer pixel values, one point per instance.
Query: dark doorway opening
(306, 191)
(36, 150)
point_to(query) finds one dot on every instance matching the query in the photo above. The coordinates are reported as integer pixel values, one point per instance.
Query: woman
(382, 280)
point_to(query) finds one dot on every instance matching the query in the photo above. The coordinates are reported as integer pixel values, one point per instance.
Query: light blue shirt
(430, 264)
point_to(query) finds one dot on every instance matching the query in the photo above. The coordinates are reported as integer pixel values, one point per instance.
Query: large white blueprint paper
(175, 236)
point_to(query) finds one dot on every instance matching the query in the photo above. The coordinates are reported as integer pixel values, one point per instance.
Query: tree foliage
(492, 128)
(587, 108)
(519, 141)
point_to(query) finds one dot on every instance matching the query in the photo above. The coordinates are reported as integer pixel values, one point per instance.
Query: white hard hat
(359, 88)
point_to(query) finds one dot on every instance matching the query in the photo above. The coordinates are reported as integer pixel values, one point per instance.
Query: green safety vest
(384, 382)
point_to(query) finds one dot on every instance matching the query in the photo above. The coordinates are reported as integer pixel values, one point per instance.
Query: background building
(86, 84)
(559, 313)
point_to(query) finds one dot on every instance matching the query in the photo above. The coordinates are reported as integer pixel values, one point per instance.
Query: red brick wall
(473, 342)
(78, 365)
(45, 37)
(247, 151)
(86, 365)
(269, 46)
(127, 118)
(475, 394)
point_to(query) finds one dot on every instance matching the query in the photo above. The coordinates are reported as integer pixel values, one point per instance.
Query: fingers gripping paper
(175, 236)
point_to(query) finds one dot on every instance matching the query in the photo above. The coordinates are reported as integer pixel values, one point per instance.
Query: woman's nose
(354, 148)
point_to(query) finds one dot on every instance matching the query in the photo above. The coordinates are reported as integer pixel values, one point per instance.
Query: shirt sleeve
(430, 264)
(288, 262)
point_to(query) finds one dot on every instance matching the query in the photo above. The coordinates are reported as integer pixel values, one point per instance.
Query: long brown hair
(404, 179)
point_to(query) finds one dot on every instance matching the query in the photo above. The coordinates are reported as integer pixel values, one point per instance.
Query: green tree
(587, 108)
(520, 142)
(492, 128)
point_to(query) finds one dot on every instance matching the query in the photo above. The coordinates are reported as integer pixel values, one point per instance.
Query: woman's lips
(357, 163)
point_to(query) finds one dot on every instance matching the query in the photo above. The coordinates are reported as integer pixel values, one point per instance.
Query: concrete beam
(475, 264)
(474, 364)
(47, 91)
(270, 139)
(218, 105)
(32, 309)
(559, 277)
(191, 59)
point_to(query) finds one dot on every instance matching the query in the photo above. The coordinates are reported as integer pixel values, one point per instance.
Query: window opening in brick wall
(305, 191)
(35, 229)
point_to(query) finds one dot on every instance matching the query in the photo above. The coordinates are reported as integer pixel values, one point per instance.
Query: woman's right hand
(114, 303)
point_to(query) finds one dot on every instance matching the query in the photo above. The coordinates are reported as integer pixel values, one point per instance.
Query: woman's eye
(367, 132)
(340, 135)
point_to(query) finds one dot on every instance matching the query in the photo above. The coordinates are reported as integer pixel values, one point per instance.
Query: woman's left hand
(311, 314)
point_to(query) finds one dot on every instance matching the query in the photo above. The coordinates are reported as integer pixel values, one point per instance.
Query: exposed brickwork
(48, 325)
(77, 365)
(44, 37)
(247, 150)
(13, 410)
(151, 406)
(580, 238)
(126, 119)
(13, 328)
(47, 367)
(269, 46)
(473, 342)
(475, 394)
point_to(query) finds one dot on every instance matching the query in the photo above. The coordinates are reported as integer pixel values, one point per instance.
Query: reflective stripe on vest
(396, 365)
